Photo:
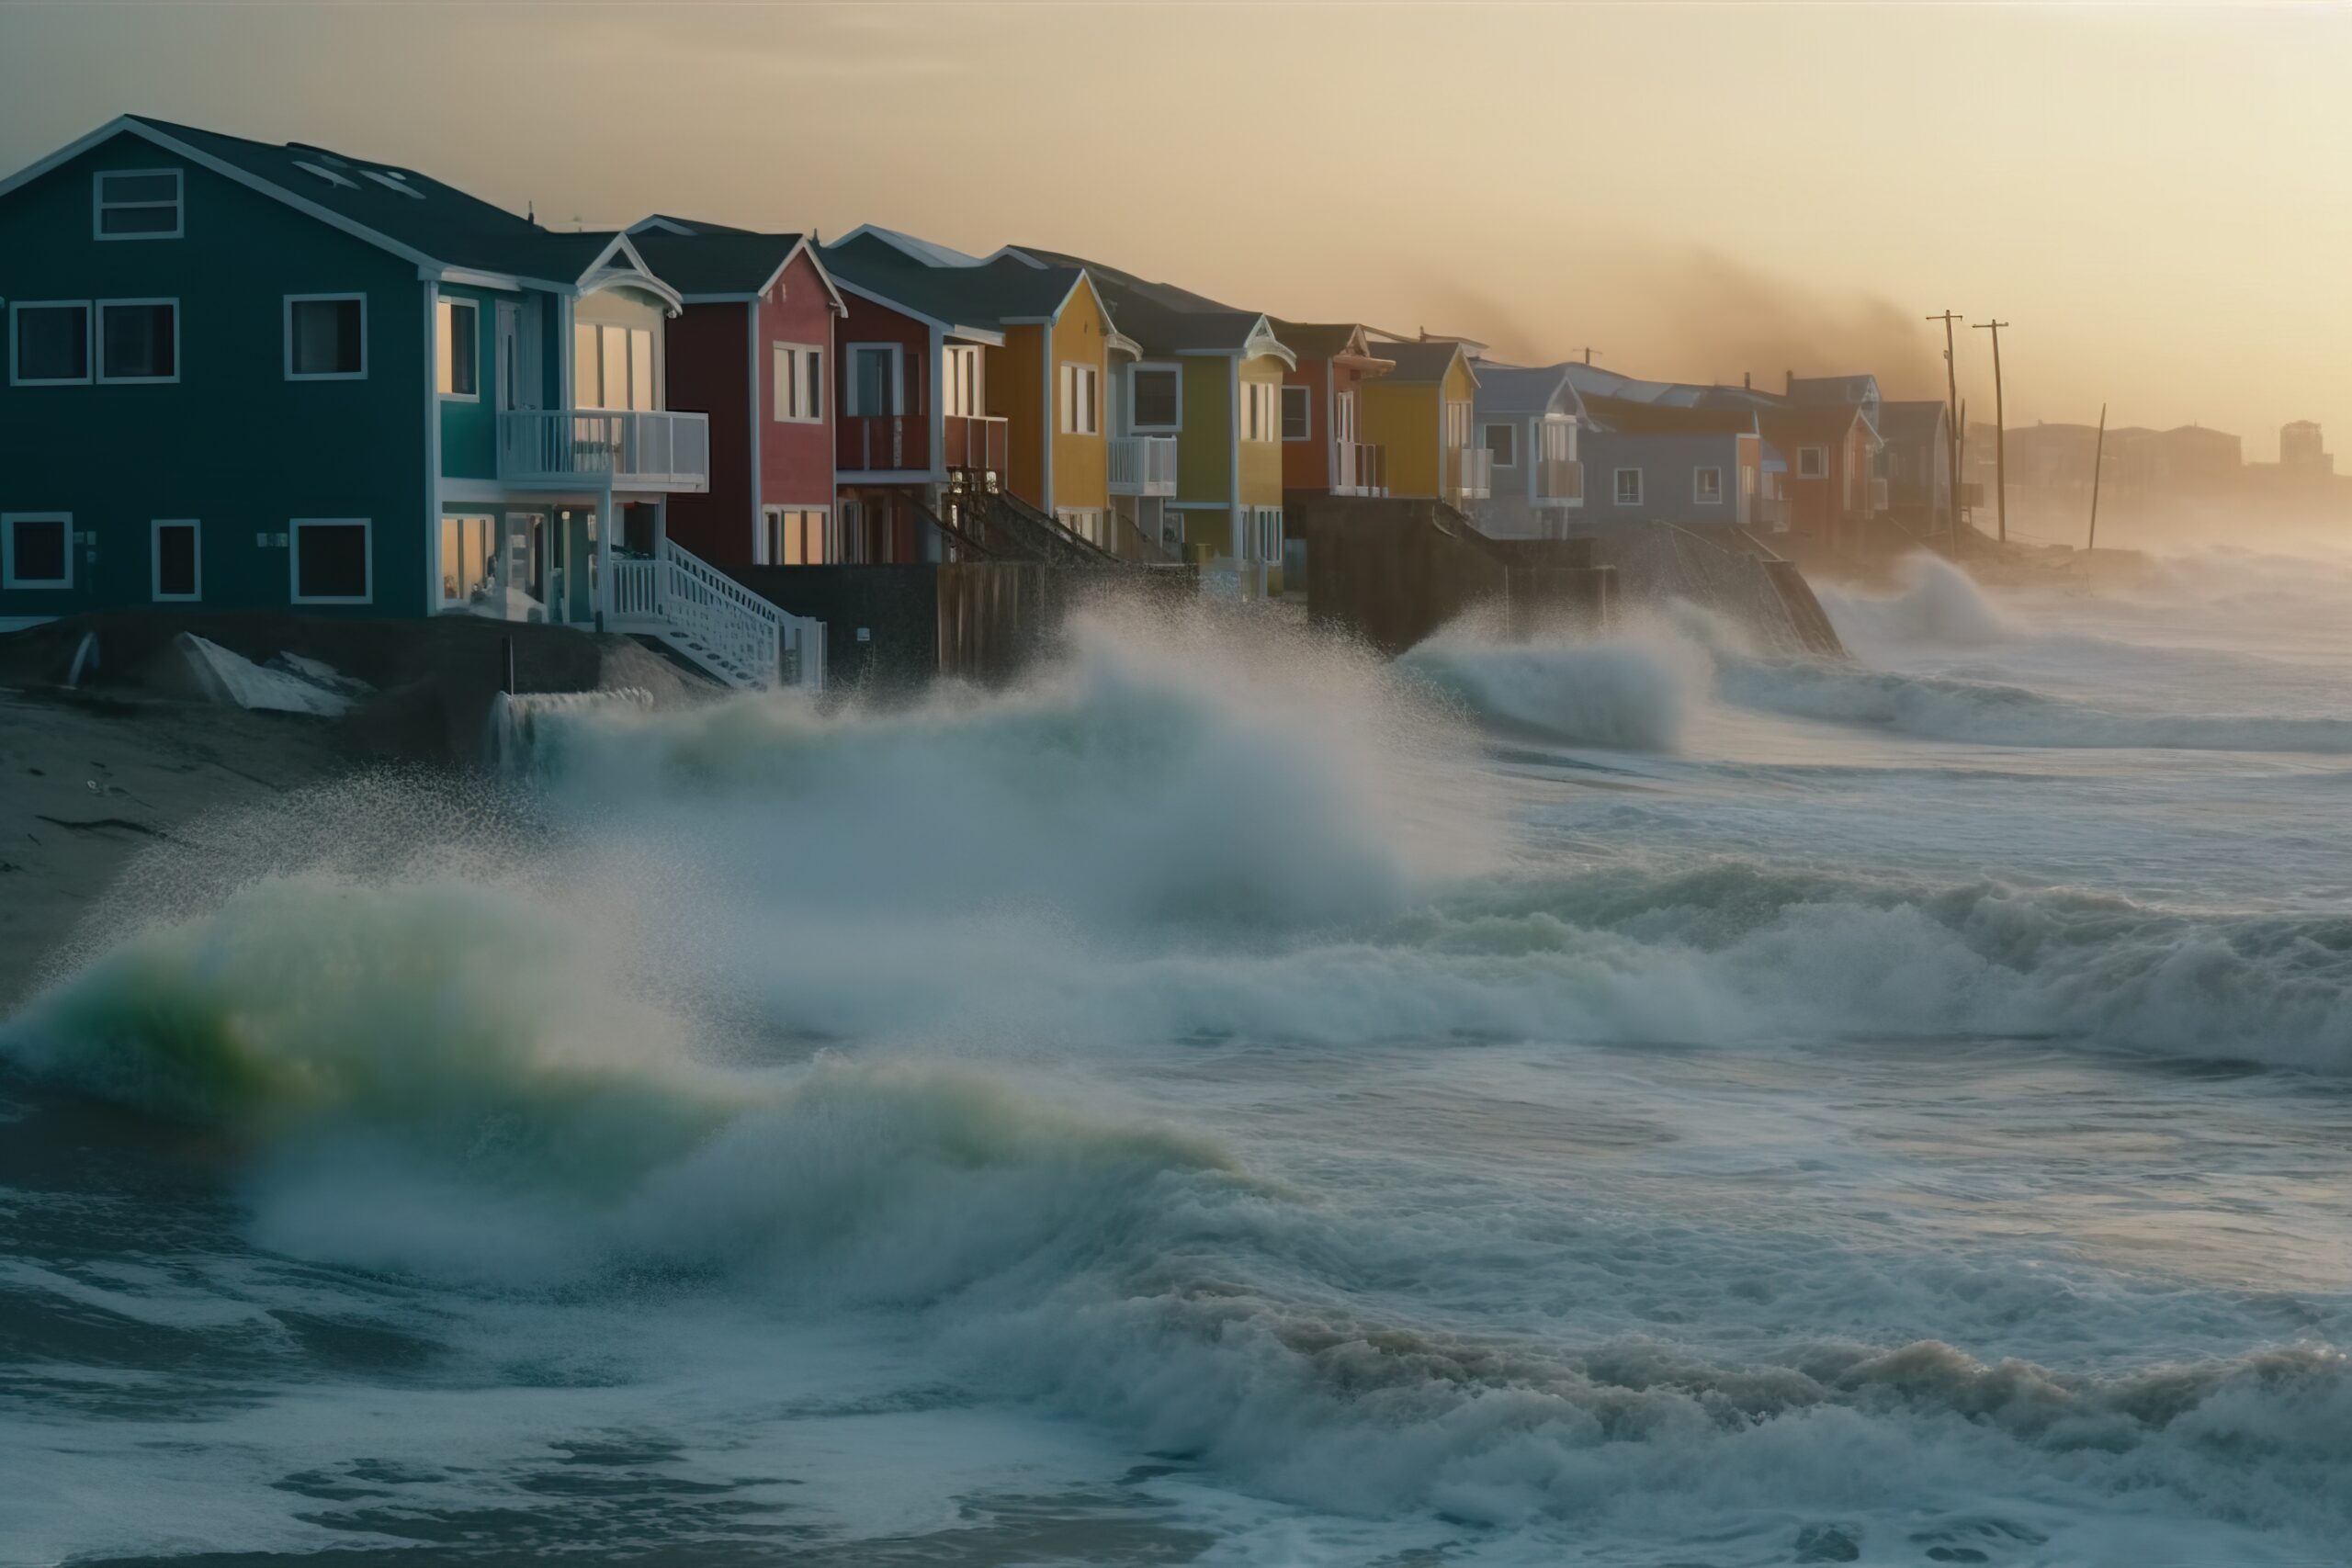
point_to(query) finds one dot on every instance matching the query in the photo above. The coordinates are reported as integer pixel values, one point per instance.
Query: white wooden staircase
(687, 604)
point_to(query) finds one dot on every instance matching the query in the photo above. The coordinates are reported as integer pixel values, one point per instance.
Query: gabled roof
(1626, 416)
(1921, 420)
(979, 299)
(669, 223)
(1427, 360)
(726, 263)
(1329, 340)
(1160, 317)
(1833, 389)
(930, 252)
(1504, 389)
(1819, 421)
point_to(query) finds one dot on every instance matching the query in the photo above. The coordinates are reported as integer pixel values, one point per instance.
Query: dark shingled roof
(1160, 317)
(1510, 388)
(984, 296)
(1630, 418)
(1910, 420)
(729, 260)
(1831, 388)
(438, 220)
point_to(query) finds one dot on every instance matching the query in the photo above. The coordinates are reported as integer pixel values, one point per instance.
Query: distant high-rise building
(2302, 450)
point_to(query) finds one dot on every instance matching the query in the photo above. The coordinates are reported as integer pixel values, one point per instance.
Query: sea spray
(1629, 691)
(1935, 602)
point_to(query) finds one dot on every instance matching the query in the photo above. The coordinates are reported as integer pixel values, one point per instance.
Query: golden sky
(2158, 198)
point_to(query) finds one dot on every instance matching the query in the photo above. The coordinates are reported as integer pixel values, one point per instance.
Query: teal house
(243, 376)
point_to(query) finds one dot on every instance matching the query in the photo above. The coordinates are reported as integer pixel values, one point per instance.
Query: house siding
(233, 442)
(1409, 421)
(870, 322)
(795, 459)
(1082, 463)
(1205, 446)
(1262, 461)
(1306, 464)
(1015, 387)
(708, 367)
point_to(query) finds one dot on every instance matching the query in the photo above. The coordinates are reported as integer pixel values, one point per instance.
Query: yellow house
(1420, 413)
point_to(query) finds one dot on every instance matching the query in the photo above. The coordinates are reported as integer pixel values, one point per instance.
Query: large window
(612, 367)
(457, 360)
(800, 383)
(138, 340)
(1298, 414)
(793, 536)
(1159, 397)
(1081, 399)
(1813, 462)
(1502, 440)
(36, 550)
(1707, 485)
(875, 386)
(959, 388)
(178, 562)
(1629, 487)
(1261, 410)
(468, 559)
(331, 564)
(326, 338)
(48, 342)
(137, 203)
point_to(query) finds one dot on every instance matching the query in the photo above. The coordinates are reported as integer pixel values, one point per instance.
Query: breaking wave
(1629, 692)
(1935, 602)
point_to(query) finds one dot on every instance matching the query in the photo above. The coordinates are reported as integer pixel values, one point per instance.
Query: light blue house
(244, 376)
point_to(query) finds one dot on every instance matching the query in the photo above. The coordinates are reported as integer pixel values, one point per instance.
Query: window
(1261, 410)
(138, 340)
(876, 385)
(458, 362)
(800, 383)
(1157, 395)
(179, 564)
(49, 344)
(36, 550)
(960, 382)
(1707, 485)
(137, 203)
(1813, 462)
(469, 560)
(612, 367)
(1298, 414)
(793, 536)
(1502, 440)
(1081, 399)
(1266, 532)
(326, 338)
(330, 562)
(1629, 487)
(1457, 424)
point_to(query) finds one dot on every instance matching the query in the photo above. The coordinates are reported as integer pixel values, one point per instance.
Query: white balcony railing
(1359, 467)
(1474, 473)
(1143, 465)
(627, 450)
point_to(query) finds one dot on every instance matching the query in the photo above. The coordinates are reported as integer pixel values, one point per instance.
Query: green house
(244, 376)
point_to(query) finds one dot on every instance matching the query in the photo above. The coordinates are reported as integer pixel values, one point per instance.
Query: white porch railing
(630, 449)
(1359, 467)
(1474, 472)
(1143, 465)
(716, 620)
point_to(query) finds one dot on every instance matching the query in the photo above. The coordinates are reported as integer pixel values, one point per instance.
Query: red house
(1324, 452)
(755, 344)
(1829, 450)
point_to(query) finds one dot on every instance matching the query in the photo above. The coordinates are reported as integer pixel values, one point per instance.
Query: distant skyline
(2158, 198)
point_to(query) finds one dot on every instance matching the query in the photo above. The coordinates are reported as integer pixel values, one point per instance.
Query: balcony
(1474, 473)
(1559, 479)
(609, 448)
(974, 443)
(882, 443)
(1143, 465)
(1359, 467)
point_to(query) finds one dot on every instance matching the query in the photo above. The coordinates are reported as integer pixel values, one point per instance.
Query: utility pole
(1588, 354)
(1951, 402)
(2000, 428)
(2098, 462)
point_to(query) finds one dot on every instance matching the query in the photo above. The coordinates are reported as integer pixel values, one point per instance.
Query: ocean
(1232, 1100)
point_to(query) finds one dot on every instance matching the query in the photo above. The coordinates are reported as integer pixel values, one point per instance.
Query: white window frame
(294, 375)
(952, 383)
(1077, 376)
(1262, 412)
(99, 205)
(98, 344)
(1282, 413)
(155, 561)
(294, 528)
(898, 352)
(89, 341)
(1617, 488)
(9, 520)
(1486, 439)
(1139, 428)
(1698, 496)
(1820, 462)
(441, 347)
(787, 367)
(775, 522)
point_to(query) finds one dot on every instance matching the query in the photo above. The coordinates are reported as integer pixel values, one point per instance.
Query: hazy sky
(2159, 198)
